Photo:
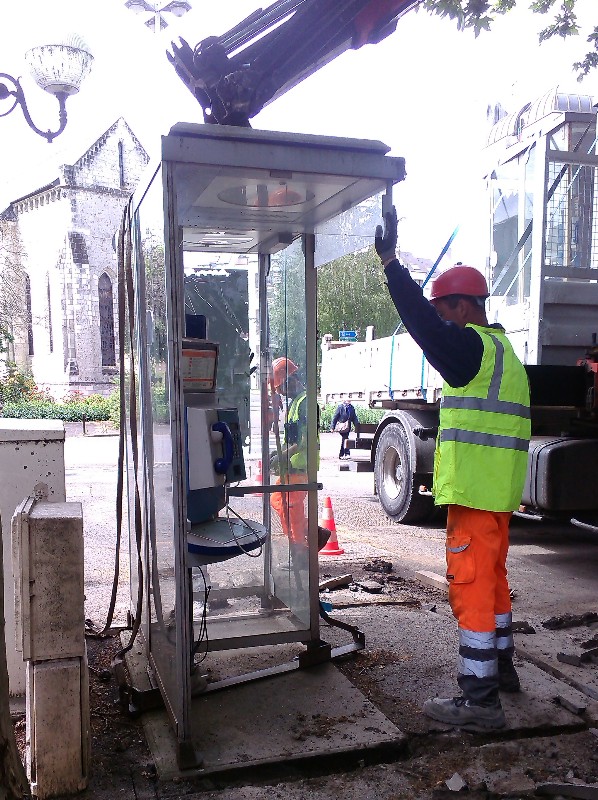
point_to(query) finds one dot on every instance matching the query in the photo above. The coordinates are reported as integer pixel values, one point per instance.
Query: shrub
(113, 406)
(16, 385)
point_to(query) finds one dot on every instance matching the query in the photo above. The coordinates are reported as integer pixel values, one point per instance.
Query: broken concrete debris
(378, 565)
(456, 783)
(588, 656)
(335, 583)
(370, 586)
(570, 621)
(575, 707)
(569, 658)
(522, 626)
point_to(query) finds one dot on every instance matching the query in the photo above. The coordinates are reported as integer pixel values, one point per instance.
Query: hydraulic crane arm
(235, 75)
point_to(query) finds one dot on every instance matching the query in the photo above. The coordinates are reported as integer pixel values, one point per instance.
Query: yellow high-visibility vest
(484, 431)
(298, 460)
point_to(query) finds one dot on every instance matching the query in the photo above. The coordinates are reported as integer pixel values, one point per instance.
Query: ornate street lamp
(58, 69)
(157, 21)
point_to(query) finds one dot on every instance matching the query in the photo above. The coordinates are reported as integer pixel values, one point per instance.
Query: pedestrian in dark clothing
(344, 418)
(479, 470)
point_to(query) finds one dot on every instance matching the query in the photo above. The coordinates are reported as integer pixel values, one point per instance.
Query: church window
(106, 321)
(29, 315)
(50, 332)
(121, 164)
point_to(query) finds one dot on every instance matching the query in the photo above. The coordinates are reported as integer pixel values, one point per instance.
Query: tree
(14, 316)
(286, 303)
(480, 14)
(352, 295)
(155, 289)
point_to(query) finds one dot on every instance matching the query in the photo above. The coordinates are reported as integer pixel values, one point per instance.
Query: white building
(62, 237)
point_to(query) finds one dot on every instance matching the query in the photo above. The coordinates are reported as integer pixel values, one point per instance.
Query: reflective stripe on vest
(487, 439)
(481, 452)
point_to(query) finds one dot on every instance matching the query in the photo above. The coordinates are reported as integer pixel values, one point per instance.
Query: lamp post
(59, 69)
(157, 21)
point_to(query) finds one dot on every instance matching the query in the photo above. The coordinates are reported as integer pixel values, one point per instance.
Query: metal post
(311, 279)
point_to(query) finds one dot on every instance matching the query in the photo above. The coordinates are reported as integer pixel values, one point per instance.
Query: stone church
(61, 241)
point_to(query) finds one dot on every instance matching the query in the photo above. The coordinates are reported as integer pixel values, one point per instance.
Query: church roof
(67, 169)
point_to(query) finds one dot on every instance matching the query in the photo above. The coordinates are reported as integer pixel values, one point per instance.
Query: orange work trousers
(477, 543)
(290, 507)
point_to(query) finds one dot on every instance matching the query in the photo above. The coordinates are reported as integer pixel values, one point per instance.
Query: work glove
(386, 243)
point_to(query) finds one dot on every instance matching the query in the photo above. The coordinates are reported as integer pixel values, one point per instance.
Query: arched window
(29, 314)
(50, 314)
(121, 164)
(106, 321)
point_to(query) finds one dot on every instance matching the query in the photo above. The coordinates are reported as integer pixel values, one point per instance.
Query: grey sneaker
(458, 711)
(508, 679)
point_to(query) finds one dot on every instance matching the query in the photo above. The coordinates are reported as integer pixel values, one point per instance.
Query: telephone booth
(222, 419)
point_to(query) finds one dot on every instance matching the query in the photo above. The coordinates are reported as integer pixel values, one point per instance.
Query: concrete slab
(542, 649)
(411, 655)
(534, 708)
(433, 579)
(298, 716)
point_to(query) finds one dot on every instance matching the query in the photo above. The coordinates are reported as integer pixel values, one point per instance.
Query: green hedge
(96, 408)
(69, 412)
(74, 408)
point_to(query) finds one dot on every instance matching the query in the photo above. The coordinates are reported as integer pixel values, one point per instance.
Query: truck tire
(396, 484)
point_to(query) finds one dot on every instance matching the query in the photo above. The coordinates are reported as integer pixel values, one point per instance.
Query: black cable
(202, 635)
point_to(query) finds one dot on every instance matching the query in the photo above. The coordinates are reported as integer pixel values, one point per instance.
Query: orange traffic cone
(259, 477)
(331, 548)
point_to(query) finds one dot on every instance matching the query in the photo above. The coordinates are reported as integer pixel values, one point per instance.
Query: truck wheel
(396, 484)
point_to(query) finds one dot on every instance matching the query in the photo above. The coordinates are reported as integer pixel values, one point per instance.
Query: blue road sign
(347, 336)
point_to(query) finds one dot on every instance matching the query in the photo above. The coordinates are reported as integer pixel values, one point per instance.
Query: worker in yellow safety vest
(291, 463)
(479, 470)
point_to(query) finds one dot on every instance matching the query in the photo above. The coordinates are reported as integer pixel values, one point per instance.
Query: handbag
(342, 427)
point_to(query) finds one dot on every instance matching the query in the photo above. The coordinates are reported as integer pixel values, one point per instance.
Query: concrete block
(432, 579)
(52, 616)
(57, 727)
(31, 455)
(335, 583)
(571, 703)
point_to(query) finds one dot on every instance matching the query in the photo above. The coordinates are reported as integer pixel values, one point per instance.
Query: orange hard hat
(459, 280)
(281, 368)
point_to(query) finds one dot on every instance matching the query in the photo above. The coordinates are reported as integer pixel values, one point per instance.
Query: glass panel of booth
(289, 442)
(155, 460)
(245, 328)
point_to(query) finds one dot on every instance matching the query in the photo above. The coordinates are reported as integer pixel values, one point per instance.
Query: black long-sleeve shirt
(456, 353)
(345, 413)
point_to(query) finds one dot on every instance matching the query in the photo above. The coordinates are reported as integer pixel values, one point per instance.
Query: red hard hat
(281, 368)
(460, 280)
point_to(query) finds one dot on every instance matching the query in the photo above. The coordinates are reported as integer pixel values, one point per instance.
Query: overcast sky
(423, 92)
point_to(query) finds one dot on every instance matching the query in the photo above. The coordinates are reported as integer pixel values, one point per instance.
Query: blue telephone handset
(222, 465)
